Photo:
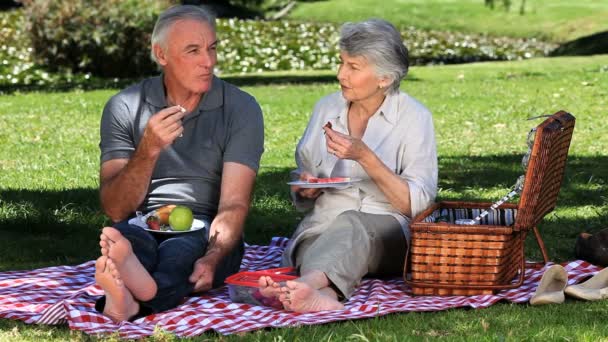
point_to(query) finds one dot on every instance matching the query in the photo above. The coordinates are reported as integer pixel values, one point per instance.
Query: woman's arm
(396, 189)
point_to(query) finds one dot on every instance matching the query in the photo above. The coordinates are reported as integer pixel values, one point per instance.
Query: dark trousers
(169, 258)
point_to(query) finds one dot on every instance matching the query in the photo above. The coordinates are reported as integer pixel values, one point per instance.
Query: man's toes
(118, 282)
(112, 267)
(112, 234)
(100, 264)
(104, 240)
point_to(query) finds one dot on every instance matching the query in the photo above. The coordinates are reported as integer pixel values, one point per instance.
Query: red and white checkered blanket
(67, 294)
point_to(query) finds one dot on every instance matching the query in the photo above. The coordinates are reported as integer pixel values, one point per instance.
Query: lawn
(558, 20)
(49, 211)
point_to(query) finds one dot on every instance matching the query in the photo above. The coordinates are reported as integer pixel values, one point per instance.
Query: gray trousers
(355, 244)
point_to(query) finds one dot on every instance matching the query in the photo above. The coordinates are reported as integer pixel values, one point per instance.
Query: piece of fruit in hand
(153, 223)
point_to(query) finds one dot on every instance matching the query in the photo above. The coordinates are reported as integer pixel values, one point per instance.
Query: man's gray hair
(379, 42)
(173, 15)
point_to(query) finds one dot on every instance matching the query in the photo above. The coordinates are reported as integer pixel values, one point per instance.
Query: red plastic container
(243, 286)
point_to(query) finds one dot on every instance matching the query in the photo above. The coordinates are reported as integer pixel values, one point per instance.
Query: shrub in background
(255, 46)
(108, 38)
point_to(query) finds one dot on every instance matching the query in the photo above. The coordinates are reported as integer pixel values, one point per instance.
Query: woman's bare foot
(301, 297)
(134, 275)
(120, 305)
(268, 287)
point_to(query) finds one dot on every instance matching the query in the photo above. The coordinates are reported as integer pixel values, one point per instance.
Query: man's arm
(227, 227)
(124, 185)
(124, 182)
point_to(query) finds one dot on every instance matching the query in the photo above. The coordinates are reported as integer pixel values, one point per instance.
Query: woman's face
(358, 79)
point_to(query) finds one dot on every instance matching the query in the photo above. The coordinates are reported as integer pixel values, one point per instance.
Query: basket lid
(545, 170)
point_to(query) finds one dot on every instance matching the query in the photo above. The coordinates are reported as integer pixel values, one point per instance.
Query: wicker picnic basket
(449, 259)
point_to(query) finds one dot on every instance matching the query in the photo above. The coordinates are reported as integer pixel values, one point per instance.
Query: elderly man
(185, 137)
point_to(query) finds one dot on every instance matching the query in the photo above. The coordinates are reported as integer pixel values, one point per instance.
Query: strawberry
(153, 223)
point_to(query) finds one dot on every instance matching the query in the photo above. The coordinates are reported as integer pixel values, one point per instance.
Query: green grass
(558, 20)
(49, 211)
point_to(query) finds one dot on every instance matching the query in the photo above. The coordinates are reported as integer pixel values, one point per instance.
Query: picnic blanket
(67, 294)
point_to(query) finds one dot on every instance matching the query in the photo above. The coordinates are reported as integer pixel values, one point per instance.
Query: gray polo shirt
(227, 126)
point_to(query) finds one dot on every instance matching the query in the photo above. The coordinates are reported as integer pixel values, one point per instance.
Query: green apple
(181, 218)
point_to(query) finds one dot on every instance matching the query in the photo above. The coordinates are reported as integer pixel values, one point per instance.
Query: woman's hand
(305, 192)
(344, 146)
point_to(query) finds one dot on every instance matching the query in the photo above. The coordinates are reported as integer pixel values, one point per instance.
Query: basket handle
(519, 282)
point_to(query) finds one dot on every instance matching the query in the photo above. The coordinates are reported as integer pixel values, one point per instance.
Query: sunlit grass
(49, 211)
(560, 20)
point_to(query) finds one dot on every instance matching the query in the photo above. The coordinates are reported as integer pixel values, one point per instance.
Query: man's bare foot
(268, 287)
(301, 297)
(104, 244)
(120, 305)
(134, 275)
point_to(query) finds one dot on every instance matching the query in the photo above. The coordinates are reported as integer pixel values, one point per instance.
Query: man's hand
(202, 276)
(226, 230)
(162, 129)
(304, 192)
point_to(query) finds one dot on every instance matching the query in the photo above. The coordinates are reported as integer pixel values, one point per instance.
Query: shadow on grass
(585, 181)
(62, 227)
(238, 80)
(63, 86)
(269, 79)
(594, 44)
(48, 227)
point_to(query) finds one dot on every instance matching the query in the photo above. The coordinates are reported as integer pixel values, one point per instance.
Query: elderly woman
(378, 134)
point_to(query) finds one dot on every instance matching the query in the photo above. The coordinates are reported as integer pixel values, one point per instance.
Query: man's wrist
(147, 150)
(212, 257)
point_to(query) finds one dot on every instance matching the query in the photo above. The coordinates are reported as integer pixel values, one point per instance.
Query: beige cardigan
(400, 133)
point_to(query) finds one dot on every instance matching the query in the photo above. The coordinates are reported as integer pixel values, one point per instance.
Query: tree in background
(8, 4)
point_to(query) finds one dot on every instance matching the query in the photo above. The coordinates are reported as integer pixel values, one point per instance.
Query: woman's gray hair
(173, 15)
(379, 42)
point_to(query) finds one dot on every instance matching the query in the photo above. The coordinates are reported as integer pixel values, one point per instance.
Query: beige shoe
(550, 290)
(595, 288)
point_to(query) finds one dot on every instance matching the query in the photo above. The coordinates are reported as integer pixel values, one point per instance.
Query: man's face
(190, 55)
